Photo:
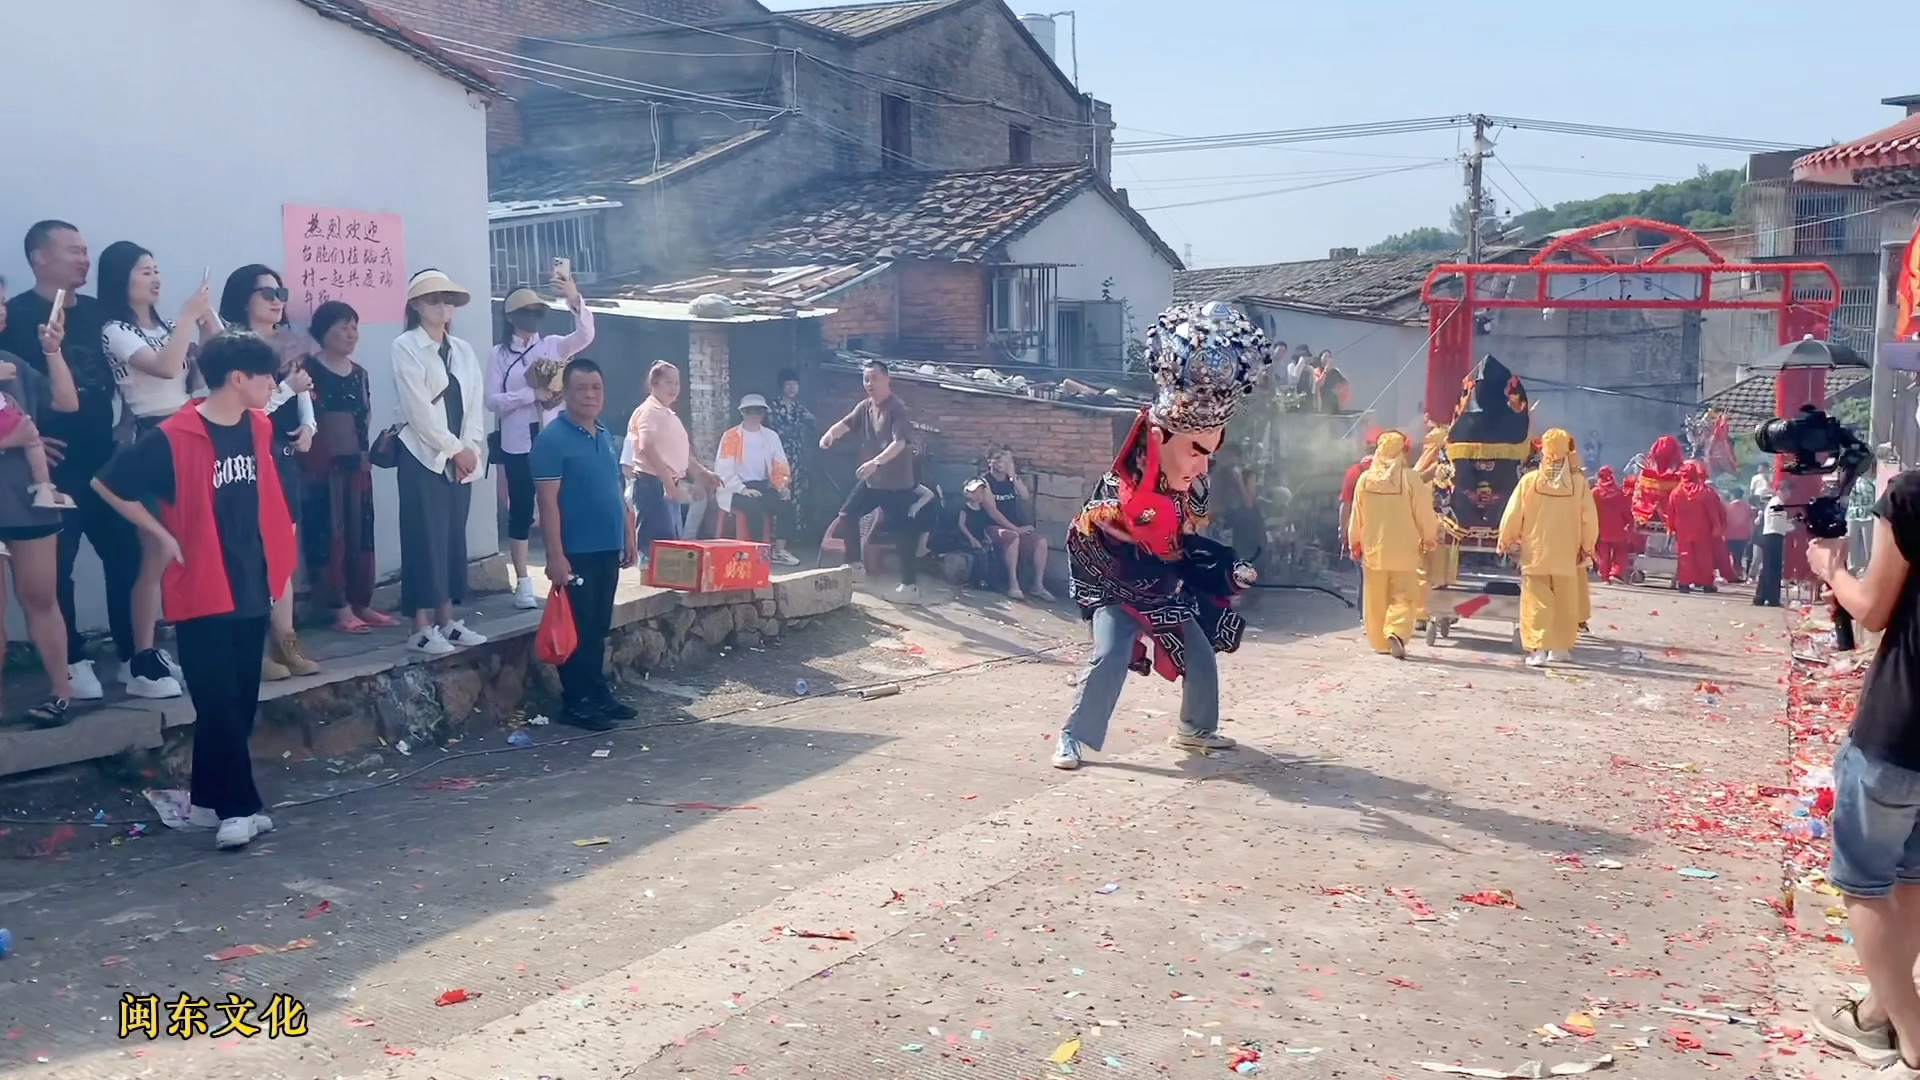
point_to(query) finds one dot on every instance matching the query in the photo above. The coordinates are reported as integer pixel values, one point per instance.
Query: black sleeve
(1900, 506)
(143, 470)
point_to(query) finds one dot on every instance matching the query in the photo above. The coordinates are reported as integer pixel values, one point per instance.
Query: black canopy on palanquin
(1493, 407)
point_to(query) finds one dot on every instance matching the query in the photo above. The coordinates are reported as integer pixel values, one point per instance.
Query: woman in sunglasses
(255, 298)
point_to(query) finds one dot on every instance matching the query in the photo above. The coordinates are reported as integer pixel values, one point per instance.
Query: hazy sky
(1207, 67)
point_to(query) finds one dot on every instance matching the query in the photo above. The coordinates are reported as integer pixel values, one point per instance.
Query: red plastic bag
(558, 637)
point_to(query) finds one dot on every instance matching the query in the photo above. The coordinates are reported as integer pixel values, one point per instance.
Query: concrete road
(1449, 860)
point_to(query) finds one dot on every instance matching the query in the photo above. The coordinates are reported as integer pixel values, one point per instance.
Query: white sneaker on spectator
(523, 597)
(86, 682)
(786, 558)
(262, 824)
(456, 633)
(235, 832)
(430, 641)
(150, 677)
(173, 666)
(907, 594)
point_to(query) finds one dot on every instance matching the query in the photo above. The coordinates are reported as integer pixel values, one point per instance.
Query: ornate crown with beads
(1204, 359)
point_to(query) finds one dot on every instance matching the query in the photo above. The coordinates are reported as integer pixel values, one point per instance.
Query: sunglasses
(269, 292)
(440, 300)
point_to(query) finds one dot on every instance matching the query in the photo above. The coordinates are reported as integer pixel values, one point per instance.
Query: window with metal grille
(1021, 317)
(524, 250)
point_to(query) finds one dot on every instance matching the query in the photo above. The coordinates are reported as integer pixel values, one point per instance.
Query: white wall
(184, 125)
(1100, 243)
(1385, 362)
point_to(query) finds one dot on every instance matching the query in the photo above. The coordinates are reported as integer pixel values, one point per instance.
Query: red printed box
(709, 565)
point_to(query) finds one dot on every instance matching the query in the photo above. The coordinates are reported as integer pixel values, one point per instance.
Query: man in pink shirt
(658, 459)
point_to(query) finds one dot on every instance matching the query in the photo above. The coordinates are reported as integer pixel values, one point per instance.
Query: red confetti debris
(825, 935)
(398, 1051)
(1492, 898)
(1404, 984)
(1684, 1039)
(359, 1022)
(453, 997)
(318, 910)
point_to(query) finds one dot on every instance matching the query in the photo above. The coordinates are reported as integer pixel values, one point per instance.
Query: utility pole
(1476, 186)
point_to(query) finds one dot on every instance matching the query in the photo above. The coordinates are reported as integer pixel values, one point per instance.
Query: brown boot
(286, 649)
(272, 670)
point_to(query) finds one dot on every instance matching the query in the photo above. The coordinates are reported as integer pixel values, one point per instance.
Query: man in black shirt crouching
(1876, 784)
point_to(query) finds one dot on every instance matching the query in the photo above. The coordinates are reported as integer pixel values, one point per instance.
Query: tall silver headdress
(1204, 359)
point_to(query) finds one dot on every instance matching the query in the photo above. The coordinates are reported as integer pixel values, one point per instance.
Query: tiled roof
(863, 20)
(1890, 147)
(960, 216)
(1380, 285)
(378, 24)
(754, 291)
(1751, 400)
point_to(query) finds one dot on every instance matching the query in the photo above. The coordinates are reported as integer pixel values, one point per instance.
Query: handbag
(557, 637)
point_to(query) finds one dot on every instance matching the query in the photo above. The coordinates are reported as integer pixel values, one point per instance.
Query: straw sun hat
(429, 282)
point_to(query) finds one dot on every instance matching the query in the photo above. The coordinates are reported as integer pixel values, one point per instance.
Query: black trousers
(220, 659)
(1773, 558)
(905, 528)
(117, 544)
(769, 507)
(519, 469)
(583, 678)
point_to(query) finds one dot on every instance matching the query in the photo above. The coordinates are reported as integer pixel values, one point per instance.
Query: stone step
(372, 686)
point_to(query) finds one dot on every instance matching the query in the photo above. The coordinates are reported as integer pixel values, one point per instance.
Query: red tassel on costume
(1151, 518)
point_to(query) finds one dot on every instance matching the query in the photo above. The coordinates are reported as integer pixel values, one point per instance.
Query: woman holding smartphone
(255, 298)
(523, 408)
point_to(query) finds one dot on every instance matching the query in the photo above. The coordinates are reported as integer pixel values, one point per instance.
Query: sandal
(51, 713)
(375, 617)
(351, 624)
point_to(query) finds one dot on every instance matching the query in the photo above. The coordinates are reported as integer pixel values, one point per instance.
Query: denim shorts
(1876, 825)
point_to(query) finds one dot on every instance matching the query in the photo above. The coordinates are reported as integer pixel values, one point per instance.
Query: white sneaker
(1537, 659)
(431, 642)
(262, 824)
(202, 817)
(523, 597)
(86, 682)
(786, 558)
(456, 633)
(1066, 752)
(235, 832)
(1559, 656)
(173, 666)
(907, 594)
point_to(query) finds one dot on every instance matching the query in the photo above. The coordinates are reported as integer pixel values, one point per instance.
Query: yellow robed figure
(1440, 567)
(1553, 526)
(1392, 528)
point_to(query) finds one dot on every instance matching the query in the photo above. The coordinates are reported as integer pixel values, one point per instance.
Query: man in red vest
(224, 527)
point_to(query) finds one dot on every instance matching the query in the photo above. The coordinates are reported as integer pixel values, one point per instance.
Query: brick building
(684, 130)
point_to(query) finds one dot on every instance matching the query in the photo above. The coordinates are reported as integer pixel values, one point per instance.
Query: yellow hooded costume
(1392, 528)
(1551, 519)
(1441, 565)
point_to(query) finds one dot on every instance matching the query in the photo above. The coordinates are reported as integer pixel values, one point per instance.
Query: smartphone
(562, 269)
(58, 317)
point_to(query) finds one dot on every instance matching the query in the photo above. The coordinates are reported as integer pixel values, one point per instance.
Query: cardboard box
(709, 565)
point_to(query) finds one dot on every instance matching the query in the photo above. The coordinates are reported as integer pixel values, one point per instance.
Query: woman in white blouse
(152, 364)
(441, 390)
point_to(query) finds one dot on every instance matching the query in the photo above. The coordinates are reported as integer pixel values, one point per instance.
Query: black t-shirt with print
(88, 433)
(145, 471)
(1886, 726)
(1007, 498)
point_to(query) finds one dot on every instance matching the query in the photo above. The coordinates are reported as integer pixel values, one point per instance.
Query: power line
(1523, 184)
(1645, 135)
(1289, 190)
(1443, 123)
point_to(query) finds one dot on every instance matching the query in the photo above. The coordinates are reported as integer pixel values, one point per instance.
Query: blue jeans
(1876, 825)
(1114, 631)
(660, 517)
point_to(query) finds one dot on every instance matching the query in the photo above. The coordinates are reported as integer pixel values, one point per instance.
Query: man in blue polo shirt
(590, 535)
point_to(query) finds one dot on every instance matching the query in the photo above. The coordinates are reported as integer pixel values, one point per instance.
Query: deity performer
(1614, 504)
(1441, 565)
(1393, 529)
(1693, 513)
(1659, 476)
(1551, 527)
(1157, 593)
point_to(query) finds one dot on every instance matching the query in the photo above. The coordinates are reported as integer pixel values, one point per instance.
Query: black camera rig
(1817, 444)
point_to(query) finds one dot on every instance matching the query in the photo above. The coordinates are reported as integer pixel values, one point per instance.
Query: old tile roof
(1895, 146)
(1751, 400)
(1385, 286)
(778, 290)
(964, 216)
(864, 20)
(380, 25)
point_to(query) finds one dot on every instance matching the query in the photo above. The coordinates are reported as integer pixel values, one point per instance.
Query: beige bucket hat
(522, 298)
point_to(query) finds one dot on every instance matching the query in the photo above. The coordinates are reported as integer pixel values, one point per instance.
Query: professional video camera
(1820, 445)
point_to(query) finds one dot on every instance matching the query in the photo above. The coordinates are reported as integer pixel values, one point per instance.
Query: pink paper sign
(349, 255)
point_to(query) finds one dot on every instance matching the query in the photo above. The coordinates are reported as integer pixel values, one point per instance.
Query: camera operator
(1876, 782)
